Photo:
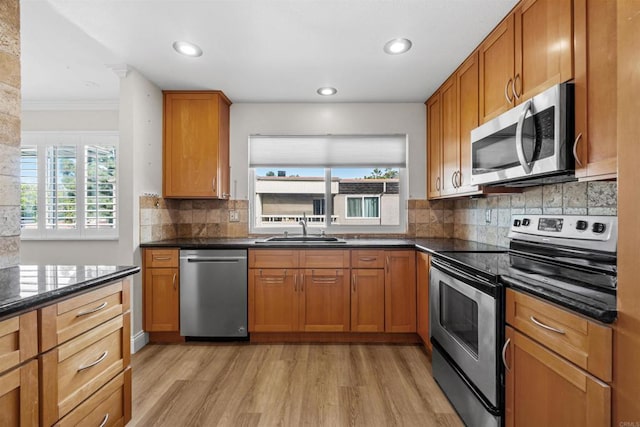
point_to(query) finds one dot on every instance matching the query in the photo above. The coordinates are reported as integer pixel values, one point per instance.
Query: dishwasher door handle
(215, 259)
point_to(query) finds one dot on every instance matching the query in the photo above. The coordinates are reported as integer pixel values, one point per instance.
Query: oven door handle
(520, 139)
(457, 273)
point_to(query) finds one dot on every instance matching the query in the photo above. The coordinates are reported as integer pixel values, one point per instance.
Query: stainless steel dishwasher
(213, 293)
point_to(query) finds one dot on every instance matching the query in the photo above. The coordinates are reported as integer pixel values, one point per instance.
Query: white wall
(313, 119)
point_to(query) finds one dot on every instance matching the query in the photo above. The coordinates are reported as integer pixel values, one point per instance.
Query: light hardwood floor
(286, 385)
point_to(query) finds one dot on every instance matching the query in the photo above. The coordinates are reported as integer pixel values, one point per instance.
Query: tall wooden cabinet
(528, 52)
(161, 297)
(595, 25)
(196, 144)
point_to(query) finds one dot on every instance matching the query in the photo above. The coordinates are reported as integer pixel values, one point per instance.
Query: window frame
(80, 139)
(361, 197)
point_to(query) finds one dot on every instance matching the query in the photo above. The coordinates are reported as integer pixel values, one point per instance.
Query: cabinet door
(400, 291)
(434, 143)
(467, 82)
(542, 389)
(544, 48)
(324, 300)
(367, 300)
(422, 284)
(450, 142)
(496, 71)
(161, 300)
(273, 300)
(19, 396)
(196, 143)
(595, 88)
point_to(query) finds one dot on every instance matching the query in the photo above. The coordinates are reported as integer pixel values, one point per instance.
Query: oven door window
(459, 317)
(498, 151)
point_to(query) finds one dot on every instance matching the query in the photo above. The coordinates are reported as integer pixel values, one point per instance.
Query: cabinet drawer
(161, 258)
(273, 258)
(67, 319)
(75, 370)
(363, 258)
(580, 340)
(324, 258)
(109, 406)
(18, 340)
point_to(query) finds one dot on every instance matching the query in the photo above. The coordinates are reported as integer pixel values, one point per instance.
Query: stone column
(10, 109)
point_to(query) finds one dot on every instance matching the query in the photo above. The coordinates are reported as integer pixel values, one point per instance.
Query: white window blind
(100, 187)
(29, 187)
(61, 196)
(328, 150)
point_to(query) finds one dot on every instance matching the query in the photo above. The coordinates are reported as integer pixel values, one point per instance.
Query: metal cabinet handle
(93, 310)
(387, 262)
(295, 283)
(453, 179)
(550, 328)
(506, 91)
(175, 285)
(504, 354)
(575, 149)
(459, 178)
(519, 137)
(353, 285)
(104, 420)
(94, 363)
(367, 259)
(161, 258)
(513, 87)
(213, 185)
(438, 183)
(302, 283)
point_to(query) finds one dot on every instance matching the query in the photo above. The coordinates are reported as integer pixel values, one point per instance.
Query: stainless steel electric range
(568, 260)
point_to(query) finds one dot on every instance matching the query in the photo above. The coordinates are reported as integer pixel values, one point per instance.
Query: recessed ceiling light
(397, 46)
(187, 49)
(327, 91)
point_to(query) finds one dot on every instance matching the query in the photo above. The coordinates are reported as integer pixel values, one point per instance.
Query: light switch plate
(234, 216)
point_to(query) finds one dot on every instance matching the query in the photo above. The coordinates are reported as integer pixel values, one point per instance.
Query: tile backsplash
(484, 219)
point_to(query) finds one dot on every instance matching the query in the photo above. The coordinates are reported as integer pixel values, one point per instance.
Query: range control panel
(561, 229)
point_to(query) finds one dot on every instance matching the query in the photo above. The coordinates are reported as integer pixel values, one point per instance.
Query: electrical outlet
(487, 216)
(234, 216)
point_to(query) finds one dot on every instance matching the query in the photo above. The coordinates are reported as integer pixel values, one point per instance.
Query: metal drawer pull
(575, 149)
(104, 421)
(174, 281)
(504, 354)
(542, 325)
(93, 310)
(506, 91)
(367, 259)
(453, 179)
(353, 285)
(515, 91)
(161, 258)
(92, 364)
(438, 183)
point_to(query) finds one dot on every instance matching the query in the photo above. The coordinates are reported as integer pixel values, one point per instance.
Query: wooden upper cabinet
(542, 389)
(196, 144)
(400, 291)
(450, 143)
(543, 46)
(497, 70)
(595, 27)
(467, 82)
(434, 144)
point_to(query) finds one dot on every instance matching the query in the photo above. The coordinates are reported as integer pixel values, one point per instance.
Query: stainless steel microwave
(527, 145)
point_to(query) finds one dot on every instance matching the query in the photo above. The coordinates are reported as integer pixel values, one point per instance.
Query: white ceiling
(254, 50)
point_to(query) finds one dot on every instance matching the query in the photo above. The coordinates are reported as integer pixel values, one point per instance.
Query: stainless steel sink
(301, 239)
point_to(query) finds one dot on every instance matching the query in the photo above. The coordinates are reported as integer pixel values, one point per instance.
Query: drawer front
(18, 340)
(75, 370)
(161, 258)
(324, 258)
(365, 258)
(68, 319)
(580, 340)
(273, 258)
(107, 407)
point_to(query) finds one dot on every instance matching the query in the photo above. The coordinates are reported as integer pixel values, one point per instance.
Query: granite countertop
(29, 286)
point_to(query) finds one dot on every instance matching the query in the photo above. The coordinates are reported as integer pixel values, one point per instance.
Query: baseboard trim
(335, 337)
(138, 341)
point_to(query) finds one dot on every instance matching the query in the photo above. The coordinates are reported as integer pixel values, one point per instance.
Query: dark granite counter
(29, 286)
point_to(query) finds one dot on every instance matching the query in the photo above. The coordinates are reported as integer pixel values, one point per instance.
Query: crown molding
(80, 105)
(121, 70)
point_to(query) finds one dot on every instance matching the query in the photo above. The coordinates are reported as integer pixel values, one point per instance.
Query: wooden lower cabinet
(273, 300)
(324, 300)
(400, 291)
(161, 296)
(367, 300)
(422, 289)
(543, 389)
(19, 396)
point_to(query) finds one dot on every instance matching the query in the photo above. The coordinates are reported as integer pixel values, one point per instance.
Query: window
(340, 183)
(68, 185)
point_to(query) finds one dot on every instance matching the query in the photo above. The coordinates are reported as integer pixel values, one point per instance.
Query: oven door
(463, 322)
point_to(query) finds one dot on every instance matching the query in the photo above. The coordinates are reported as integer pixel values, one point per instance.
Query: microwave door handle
(519, 139)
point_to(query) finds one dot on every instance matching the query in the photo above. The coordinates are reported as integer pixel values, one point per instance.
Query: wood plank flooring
(198, 384)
